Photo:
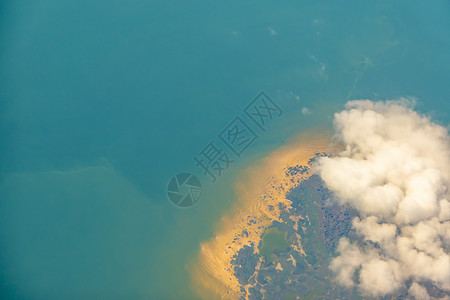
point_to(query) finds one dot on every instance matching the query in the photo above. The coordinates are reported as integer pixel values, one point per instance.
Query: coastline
(260, 197)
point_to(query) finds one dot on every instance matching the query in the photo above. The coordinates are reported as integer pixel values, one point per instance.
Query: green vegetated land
(272, 240)
(285, 273)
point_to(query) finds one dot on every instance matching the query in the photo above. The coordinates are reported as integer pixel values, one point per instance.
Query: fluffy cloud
(394, 170)
(418, 291)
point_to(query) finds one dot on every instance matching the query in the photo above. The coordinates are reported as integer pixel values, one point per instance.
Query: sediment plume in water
(260, 193)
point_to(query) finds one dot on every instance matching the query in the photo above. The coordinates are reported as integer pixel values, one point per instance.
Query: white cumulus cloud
(394, 170)
(306, 111)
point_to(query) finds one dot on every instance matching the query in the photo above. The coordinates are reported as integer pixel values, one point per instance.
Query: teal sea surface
(102, 102)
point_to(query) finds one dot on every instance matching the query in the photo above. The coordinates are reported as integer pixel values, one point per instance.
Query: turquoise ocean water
(102, 102)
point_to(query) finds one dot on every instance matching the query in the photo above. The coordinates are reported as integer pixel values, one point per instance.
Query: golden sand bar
(259, 189)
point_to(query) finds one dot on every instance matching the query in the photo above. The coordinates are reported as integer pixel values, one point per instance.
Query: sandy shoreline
(260, 190)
